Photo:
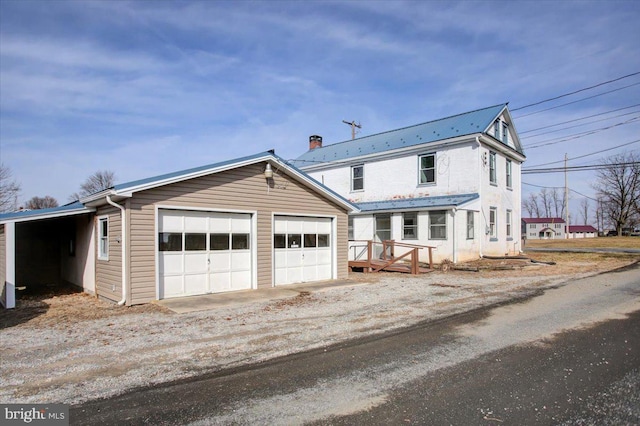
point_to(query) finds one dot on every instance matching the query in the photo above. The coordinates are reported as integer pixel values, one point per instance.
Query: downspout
(123, 220)
(481, 234)
(455, 237)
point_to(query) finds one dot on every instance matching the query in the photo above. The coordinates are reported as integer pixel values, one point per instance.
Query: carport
(46, 249)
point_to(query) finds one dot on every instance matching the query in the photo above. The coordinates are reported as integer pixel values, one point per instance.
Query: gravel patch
(107, 350)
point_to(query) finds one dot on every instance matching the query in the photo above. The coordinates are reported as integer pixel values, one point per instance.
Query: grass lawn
(598, 242)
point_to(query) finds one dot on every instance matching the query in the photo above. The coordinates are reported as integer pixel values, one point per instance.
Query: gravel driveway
(102, 350)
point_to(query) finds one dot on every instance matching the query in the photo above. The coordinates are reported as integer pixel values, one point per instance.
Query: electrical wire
(560, 139)
(585, 155)
(577, 119)
(579, 125)
(576, 91)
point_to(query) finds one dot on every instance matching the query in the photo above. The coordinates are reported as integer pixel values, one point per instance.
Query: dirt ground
(66, 307)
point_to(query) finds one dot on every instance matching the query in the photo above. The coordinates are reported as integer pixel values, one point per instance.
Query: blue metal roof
(167, 176)
(51, 212)
(468, 123)
(417, 203)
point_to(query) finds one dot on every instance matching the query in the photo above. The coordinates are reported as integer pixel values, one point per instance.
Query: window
(505, 133)
(558, 225)
(492, 168)
(218, 242)
(310, 240)
(279, 241)
(496, 129)
(239, 241)
(350, 228)
(470, 226)
(410, 226)
(357, 178)
(195, 242)
(170, 241)
(532, 226)
(103, 238)
(508, 222)
(493, 219)
(294, 241)
(427, 165)
(323, 240)
(438, 225)
(509, 181)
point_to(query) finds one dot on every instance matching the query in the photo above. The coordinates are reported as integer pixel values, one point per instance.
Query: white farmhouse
(452, 183)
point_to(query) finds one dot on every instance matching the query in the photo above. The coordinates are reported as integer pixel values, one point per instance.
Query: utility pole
(353, 127)
(566, 196)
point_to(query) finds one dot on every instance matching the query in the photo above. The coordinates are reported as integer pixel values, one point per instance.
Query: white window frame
(431, 225)
(505, 133)
(509, 173)
(508, 223)
(493, 175)
(470, 225)
(350, 235)
(493, 223)
(103, 250)
(353, 178)
(496, 129)
(426, 182)
(414, 226)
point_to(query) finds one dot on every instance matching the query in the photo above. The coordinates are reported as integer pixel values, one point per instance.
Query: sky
(149, 87)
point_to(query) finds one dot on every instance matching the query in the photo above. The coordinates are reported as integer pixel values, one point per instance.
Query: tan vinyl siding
(109, 272)
(243, 189)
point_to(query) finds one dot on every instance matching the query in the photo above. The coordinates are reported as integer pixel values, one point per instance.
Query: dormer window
(505, 133)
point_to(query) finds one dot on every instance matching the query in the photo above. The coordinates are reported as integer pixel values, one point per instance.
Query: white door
(302, 249)
(203, 252)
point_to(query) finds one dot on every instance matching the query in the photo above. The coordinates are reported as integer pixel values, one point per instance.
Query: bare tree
(9, 190)
(99, 181)
(584, 211)
(531, 205)
(559, 202)
(45, 202)
(546, 199)
(618, 184)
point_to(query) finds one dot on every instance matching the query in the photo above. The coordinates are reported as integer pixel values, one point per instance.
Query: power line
(579, 100)
(576, 91)
(577, 119)
(560, 139)
(579, 168)
(587, 155)
(559, 187)
(578, 125)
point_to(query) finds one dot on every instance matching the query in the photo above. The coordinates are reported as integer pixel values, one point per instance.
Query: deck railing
(387, 256)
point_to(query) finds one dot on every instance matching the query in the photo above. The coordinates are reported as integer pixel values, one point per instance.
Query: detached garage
(244, 224)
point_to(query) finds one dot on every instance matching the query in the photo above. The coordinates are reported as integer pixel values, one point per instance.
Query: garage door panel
(195, 263)
(241, 280)
(220, 282)
(324, 226)
(195, 284)
(171, 263)
(172, 286)
(170, 221)
(220, 261)
(240, 260)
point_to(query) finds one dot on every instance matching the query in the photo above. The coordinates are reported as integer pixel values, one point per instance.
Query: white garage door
(203, 252)
(302, 249)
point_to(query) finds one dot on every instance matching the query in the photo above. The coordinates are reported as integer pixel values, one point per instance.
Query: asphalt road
(570, 355)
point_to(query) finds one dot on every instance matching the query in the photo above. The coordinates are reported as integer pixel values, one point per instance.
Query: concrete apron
(204, 302)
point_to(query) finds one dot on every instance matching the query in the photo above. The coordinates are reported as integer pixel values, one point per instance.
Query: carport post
(10, 265)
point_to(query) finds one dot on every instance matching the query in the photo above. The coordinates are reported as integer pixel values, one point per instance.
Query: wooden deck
(389, 262)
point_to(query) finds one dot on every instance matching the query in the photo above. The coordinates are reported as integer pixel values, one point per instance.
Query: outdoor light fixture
(268, 173)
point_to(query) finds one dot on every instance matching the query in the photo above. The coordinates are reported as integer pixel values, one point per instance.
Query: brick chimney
(315, 141)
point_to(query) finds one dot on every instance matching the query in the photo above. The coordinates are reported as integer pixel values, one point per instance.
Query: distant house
(451, 183)
(582, 231)
(543, 228)
(249, 223)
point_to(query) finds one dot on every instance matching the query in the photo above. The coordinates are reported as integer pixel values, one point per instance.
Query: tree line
(617, 197)
(10, 190)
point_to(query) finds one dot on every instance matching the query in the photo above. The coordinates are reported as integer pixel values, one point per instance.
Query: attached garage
(204, 252)
(303, 249)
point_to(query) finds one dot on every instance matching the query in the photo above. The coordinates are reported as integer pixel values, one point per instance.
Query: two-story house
(452, 183)
(543, 228)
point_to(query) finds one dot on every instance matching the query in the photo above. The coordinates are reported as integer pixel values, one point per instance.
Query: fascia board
(499, 146)
(32, 218)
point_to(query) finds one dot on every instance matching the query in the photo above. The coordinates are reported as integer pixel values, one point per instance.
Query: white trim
(178, 208)
(34, 217)
(9, 301)
(100, 255)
